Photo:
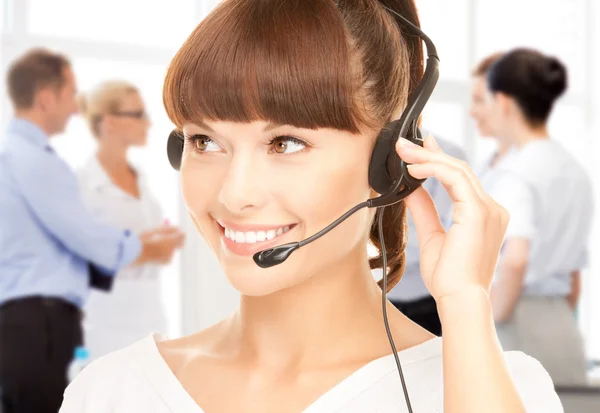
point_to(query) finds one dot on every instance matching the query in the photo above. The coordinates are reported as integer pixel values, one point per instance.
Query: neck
(36, 118)
(520, 134)
(112, 155)
(503, 147)
(314, 322)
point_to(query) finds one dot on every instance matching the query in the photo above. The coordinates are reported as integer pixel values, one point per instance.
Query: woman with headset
(119, 193)
(549, 197)
(282, 105)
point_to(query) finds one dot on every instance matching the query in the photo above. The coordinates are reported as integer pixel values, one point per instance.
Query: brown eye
(201, 143)
(287, 145)
(280, 146)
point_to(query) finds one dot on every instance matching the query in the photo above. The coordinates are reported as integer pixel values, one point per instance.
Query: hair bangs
(286, 62)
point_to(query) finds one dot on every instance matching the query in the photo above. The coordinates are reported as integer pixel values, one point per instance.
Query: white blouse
(137, 379)
(134, 307)
(550, 200)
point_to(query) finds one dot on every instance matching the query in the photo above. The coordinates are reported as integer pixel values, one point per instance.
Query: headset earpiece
(386, 168)
(175, 148)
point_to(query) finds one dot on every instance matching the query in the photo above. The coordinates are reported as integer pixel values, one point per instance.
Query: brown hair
(307, 63)
(35, 70)
(105, 98)
(484, 66)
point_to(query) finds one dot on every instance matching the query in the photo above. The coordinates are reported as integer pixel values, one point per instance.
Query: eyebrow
(269, 127)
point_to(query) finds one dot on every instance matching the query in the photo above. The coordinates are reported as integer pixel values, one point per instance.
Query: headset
(388, 174)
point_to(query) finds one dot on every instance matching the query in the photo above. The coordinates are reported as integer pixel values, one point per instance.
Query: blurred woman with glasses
(117, 192)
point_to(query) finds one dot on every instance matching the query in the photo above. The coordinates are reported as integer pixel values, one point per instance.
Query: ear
(505, 102)
(43, 99)
(107, 122)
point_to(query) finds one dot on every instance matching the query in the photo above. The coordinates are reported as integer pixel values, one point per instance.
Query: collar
(96, 175)
(97, 178)
(29, 131)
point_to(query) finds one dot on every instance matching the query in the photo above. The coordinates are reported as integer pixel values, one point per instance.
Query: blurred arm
(51, 191)
(506, 289)
(517, 198)
(573, 297)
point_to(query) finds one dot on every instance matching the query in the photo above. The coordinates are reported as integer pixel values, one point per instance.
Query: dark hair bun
(554, 77)
(533, 79)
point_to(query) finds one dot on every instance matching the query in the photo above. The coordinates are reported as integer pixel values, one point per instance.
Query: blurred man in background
(51, 248)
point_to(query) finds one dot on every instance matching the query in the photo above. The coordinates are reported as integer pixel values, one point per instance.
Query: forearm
(476, 378)
(573, 297)
(505, 292)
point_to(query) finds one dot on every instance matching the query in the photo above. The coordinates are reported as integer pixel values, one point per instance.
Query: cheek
(198, 191)
(322, 196)
(326, 189)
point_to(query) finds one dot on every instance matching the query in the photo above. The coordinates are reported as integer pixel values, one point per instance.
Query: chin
(259, 282)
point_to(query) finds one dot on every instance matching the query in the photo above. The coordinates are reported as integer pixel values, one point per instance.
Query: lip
(251, 249)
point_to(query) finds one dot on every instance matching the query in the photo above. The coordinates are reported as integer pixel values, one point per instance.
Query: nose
(243, 188)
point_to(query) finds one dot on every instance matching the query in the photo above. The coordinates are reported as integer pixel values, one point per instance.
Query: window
(556, 27)
(445, 120)
(568, 126)
(148, 23)
(446, 24)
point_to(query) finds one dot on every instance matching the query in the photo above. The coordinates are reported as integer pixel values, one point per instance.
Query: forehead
(131, 100)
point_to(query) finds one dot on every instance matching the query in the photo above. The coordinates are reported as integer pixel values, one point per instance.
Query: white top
(411, 287)
(134, 308)
(137, 379)
(550, 201)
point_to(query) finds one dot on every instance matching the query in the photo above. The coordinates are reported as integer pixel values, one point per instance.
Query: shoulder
(533, 383)
(106, 382)
(22, 155)
(423, 367)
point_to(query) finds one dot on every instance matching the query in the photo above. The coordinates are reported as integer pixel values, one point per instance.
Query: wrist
(473, 300)
(147, 252)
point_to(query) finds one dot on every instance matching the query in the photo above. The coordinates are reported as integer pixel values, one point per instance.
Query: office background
(135, 39)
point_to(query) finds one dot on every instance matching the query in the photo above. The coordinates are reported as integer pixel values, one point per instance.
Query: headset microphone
(277, 255)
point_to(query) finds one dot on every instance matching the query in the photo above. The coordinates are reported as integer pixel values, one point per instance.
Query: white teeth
(240, 237)
(251, 237)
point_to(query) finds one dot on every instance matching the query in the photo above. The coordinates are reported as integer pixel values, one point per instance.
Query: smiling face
(280, 127)
(251, 186)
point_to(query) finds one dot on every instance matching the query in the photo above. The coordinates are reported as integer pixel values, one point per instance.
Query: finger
(456, 182)
(430, 143)
(168, 230)
(414, 154)
(424, 214)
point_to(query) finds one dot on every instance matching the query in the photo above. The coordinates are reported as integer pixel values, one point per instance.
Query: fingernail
(405, 143)
(431, 138)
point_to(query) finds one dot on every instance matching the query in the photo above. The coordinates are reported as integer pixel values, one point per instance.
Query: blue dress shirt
(49, 241)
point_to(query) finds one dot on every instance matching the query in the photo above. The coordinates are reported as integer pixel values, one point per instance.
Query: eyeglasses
(137, 114)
